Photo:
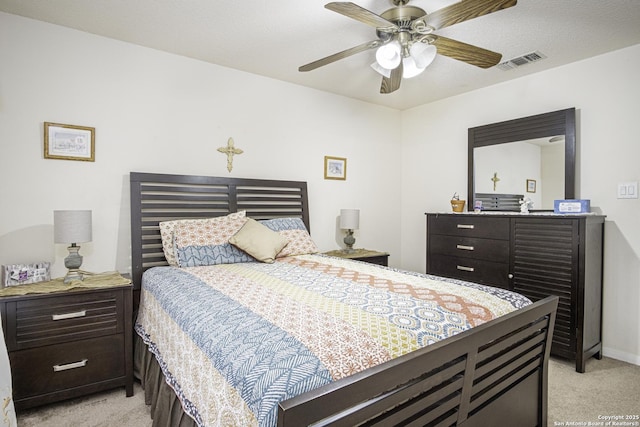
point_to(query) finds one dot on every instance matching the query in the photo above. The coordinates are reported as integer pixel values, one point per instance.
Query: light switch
(628, 190)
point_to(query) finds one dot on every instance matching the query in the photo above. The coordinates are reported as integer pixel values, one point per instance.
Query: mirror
(530, 157)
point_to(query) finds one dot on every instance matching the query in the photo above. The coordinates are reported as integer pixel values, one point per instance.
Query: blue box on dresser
(573, 206)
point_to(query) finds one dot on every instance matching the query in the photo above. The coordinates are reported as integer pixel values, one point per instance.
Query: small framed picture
(69, 142)
(335, 168)
(531, 186)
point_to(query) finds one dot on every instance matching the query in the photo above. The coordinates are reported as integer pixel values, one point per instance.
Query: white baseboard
(621, 355)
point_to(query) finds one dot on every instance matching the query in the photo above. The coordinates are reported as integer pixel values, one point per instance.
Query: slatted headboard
(162, 197)
(499, 202)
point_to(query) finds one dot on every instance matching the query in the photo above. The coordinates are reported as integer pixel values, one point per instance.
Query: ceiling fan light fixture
(389, 55)
(406, 33)
(423, 54)
(420, 56)
(410, 68)
(381, 70)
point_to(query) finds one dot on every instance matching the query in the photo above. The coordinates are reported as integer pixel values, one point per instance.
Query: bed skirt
(166, 409)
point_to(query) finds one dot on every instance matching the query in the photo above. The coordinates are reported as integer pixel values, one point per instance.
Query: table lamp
(72, 227)
(349, 220)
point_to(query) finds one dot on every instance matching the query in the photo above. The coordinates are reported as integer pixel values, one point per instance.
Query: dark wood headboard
(161, 197)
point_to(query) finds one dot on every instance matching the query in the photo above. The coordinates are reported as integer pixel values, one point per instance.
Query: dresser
(68, 344)
(535, 255)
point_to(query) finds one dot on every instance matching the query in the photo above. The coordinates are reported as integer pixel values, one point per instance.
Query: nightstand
(68, 340)
(366, 255)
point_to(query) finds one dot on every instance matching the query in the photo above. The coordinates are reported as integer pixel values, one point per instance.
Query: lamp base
(349, 241)
(73, 263)
(72, 275)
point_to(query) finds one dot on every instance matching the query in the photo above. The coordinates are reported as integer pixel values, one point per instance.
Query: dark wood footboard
(492, 375)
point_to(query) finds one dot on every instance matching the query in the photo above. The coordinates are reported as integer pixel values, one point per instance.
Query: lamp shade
(410, 68)
(349, 219)
(71, 226)
(389, 55)
(423, 54)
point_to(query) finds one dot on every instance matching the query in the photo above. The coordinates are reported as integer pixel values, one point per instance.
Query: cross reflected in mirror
(495, 180)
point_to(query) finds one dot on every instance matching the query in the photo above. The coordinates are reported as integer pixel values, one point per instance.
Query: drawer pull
(463, 268)
(81, 364)
(69, 315)
(464, 247)
(466, 226)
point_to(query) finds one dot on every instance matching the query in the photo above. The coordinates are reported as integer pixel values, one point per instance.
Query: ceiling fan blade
(361, 14)
(392, 83)
(468, 53)
(340, 55)
(464, 11)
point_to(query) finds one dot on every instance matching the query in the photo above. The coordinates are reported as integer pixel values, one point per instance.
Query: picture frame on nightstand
(23, 274)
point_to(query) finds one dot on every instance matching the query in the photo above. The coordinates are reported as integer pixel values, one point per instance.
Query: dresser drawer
(471, 270)
(54, 368)
(52, 320)
(469, 226)
(469, 247)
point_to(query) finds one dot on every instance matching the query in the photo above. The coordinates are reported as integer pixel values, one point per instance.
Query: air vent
(521, 60)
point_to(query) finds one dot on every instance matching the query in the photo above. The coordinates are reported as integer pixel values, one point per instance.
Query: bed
(254, 341)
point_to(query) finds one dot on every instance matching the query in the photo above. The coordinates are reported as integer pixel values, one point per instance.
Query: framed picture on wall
(531, 186)
(335, 168)
(69, 142)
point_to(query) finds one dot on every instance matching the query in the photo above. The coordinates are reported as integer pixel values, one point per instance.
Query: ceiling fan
(406, 42)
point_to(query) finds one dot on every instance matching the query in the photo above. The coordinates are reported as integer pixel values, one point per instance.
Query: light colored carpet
(106, 409)
(608, 388)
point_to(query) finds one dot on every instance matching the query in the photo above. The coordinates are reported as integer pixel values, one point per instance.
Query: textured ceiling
(273, 38)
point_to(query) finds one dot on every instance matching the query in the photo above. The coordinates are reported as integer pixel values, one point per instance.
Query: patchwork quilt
(233, 340)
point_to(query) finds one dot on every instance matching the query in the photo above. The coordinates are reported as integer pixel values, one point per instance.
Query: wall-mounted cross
(230, 150)
(495, 180)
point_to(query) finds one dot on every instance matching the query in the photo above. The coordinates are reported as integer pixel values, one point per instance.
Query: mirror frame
(561, 122)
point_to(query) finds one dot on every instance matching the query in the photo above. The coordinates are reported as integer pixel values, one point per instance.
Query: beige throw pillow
(258, 241)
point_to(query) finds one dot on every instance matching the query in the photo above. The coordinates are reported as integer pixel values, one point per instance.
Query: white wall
(606, 94)
(156, 112)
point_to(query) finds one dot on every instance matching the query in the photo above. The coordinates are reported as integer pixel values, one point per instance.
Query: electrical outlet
(628, 190)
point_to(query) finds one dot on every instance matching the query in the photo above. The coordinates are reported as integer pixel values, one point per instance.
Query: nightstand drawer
(380, 260)
(38, 371)
(471, 270)
(364, 255)
(469, 226)
(52, 320)
(469, 247)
